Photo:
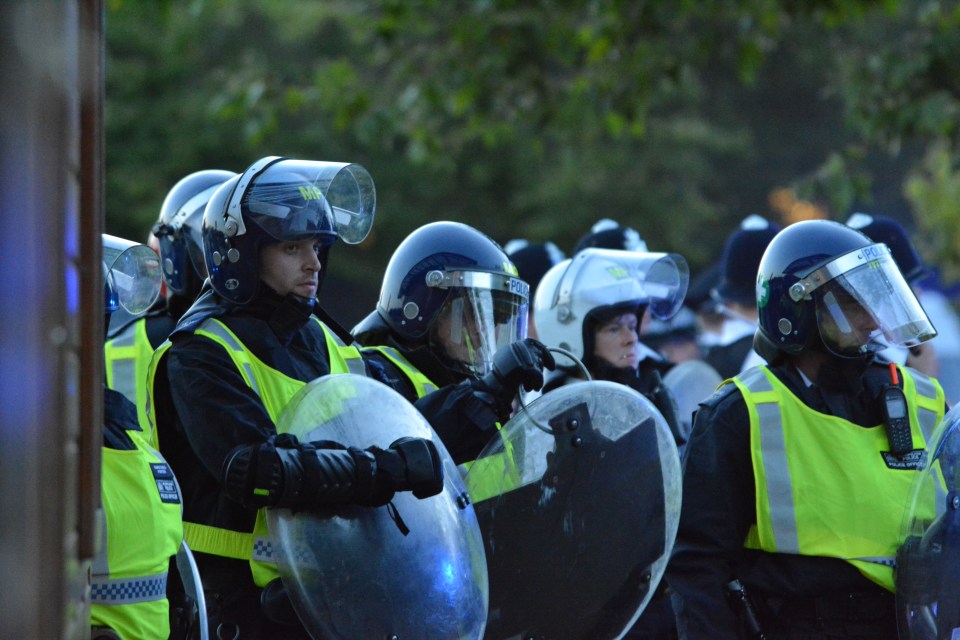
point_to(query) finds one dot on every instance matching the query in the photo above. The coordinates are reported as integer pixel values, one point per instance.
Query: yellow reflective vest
(493, 475)
(275, 390)
(826, 486)
(127, 359)
(141, 530)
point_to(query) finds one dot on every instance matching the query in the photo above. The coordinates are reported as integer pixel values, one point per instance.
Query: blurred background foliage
(535, 118)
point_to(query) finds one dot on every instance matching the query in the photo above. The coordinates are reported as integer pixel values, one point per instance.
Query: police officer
(449, 333)
(131, 344)
(592, 305)
(141, 526)
(735, 296)
(222, 380)
(796, 472)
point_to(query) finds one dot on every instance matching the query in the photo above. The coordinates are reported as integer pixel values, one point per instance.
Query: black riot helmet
(453, 288)
(178, 230)
(281, 200)
(821, 283)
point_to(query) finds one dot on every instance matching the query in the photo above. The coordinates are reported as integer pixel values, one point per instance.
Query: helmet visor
(474, 323)
(286, 206)
(603, 277)
(865, 305)
(131, 273)
(298, 199)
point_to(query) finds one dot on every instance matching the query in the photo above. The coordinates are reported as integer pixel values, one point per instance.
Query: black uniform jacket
(719, 508)
(204, 408)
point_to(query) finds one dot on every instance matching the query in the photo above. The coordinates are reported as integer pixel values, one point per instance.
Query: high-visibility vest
(824, 485)
(494, 475)
(127, 359)
(421, 383)
(275, 390)
(141, 530)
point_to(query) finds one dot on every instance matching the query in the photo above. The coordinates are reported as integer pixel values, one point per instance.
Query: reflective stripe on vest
(141, 529)
(796, 457)
(930, 403)
(129, 590)
(275, 390)
(120, 355)
(422, 385)
(127, 361)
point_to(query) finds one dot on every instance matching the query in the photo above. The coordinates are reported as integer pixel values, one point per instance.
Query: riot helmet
(892, 233)
(597, 284)
(131, 275)
(610, 234)
(281, 200)
(452, 288)
(741, 257)
(821, 283)
(178, 230)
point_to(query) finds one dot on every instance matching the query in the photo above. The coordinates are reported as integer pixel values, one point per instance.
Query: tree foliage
(528, 119)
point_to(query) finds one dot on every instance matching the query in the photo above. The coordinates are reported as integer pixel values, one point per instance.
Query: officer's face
(845, 325)
(617, 343)
(291, 267)
(456, 334)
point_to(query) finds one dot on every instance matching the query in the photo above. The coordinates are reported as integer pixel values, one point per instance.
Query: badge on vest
(909, 461)
(166, 485)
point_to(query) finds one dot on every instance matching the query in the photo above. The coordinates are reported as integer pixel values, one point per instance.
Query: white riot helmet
(605, 281)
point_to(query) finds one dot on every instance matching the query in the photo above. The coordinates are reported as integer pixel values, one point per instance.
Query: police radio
(897, 417)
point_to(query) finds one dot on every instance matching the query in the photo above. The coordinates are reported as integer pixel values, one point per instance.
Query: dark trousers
(841, 616)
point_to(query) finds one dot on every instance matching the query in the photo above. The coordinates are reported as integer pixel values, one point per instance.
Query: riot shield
(356, 572)
(584, 502)
(928, 562)
(690, 382)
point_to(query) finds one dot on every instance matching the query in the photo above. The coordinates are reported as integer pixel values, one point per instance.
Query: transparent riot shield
(578, 500)
(690, 382)
(928, 561)
(355, 572)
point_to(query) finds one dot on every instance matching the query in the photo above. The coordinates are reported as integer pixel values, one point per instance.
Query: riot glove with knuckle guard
(519, 364)
(284, 472)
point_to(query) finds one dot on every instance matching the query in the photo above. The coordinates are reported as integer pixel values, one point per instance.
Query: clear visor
(609, 276)
(195, 246)
(296, 199)
(131, 274)
(869, 307)
(474, 323)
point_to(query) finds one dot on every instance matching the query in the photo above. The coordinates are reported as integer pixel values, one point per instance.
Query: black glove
(276, 604)
(516, 365)
(409, 464)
